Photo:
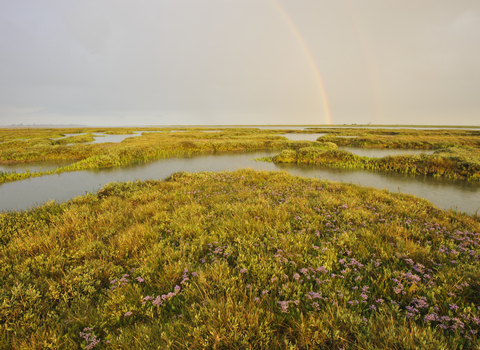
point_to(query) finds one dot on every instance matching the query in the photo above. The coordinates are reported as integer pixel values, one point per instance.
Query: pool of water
(35, 166)
(68, 135)
(393, 127)
(463, 196)
(303, 137)
(383, 152)
(112, 138)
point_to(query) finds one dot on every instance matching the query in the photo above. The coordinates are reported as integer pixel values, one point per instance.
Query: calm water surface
(463, 196)
(303, 137)
(383, 152)
(36, 166)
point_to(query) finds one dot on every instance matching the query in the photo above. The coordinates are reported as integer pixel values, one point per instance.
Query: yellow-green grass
(145, 148)
(42, 145)
(239, 259)
(413, 139)
(453, 162)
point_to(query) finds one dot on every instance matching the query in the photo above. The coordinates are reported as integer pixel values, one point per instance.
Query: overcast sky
(164, 62)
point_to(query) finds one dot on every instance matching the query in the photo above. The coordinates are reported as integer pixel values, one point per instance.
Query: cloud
(20, 110)
(234, 62)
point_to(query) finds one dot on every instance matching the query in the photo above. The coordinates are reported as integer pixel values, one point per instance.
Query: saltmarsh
(452, 162)
(239, 259)
(40, 146)
(457, 154)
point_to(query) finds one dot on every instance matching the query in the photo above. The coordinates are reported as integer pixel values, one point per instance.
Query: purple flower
(296, 276)
(243, 271)
(453, 307)
(284, 306)
(430, 317)
(128, 314)
(140, 279)
(322, 269)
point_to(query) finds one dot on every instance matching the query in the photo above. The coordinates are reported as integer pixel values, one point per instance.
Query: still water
(369, 152)
(303, 137)
(112, 138)
(383, 152)
(35, 166)
(463, 196)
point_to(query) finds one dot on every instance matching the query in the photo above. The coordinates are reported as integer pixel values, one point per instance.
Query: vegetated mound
(240, 259)
(452, 162)
(412, 139)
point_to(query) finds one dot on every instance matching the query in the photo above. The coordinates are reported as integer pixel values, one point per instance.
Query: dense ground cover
(453, 162)
(148, 147)
(458, 153)
(401, 138)
(239, 259)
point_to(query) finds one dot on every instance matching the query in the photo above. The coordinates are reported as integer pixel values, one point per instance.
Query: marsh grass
(401, 138)
(146, 148)
(453, 162)
(245, 259)
(459, 158)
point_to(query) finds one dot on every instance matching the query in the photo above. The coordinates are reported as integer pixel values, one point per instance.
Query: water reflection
(35, 166)
(461, 195)
(111, 138)
(383, 152)
(303, 137)
(445, 193)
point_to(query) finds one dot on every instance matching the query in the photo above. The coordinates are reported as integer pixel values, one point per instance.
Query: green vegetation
(400, 138)
(453, 162)
(457, 156)
(148, 147)
(239, 259)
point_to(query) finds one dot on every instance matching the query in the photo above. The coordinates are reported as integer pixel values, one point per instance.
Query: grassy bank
(459, 159)
(148, 147)
(401, 138)
(454, 162)
(239, 259)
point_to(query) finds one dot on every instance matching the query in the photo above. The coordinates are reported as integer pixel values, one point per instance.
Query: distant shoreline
(41, 126)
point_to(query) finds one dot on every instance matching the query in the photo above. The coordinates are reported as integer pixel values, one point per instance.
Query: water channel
(35, 166)
(463, 196)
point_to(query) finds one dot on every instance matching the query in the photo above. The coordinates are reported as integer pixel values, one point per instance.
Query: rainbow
(307, 51)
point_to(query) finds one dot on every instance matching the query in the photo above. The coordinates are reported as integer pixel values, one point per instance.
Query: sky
(221, 62)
